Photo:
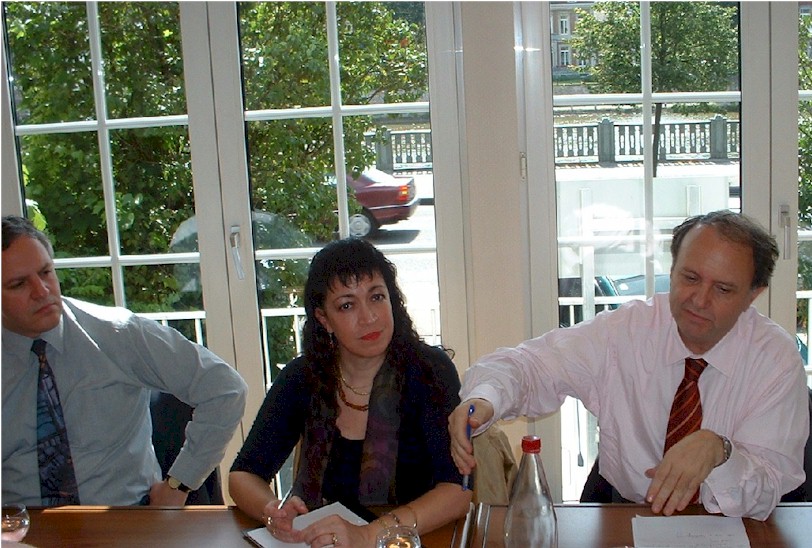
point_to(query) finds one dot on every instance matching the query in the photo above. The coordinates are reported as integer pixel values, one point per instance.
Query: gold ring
(335, 540)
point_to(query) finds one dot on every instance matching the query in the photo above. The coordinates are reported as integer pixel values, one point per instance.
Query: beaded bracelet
(394, 517)
(384, 523)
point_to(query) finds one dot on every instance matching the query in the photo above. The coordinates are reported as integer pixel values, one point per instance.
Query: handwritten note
(262, 537)
(689, 532)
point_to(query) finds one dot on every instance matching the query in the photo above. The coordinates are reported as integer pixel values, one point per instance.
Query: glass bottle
(530, 519)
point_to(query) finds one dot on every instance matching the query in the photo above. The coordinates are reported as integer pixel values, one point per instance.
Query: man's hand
(683, 469)
(462, 451)
(160, 494)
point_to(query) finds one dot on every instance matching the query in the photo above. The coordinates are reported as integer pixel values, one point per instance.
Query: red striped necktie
(686, 411)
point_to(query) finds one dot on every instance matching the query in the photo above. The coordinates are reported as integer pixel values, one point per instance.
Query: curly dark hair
(738, 229)
(345, 261)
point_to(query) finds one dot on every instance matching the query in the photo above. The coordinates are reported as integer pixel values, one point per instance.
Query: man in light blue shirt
(105, 361)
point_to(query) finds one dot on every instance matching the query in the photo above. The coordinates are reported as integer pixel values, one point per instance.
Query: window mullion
(105, 155)
(12, 186)
(338, 120)
(648, 138)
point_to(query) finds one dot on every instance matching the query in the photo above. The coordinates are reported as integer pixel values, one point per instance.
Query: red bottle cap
(531, 444)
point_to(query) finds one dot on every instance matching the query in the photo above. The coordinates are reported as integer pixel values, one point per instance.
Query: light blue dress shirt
(106, 361)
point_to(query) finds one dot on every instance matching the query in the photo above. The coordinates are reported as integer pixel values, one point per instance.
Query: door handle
(786, 224)
(234, 239)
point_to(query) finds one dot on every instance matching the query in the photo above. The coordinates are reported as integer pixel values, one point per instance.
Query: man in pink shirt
(625, 366)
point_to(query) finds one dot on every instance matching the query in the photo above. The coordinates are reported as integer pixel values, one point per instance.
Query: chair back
(803, 493)
(169, 418)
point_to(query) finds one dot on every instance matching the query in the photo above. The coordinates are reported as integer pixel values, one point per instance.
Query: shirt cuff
(490, 394)
(184, 470)
(725, 477)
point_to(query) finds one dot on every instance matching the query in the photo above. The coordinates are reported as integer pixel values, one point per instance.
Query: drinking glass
(15, 522)
(399, 536)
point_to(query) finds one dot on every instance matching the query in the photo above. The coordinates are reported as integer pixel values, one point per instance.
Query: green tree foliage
(143, 73)
(285, 65)
(805, 129)
(694, 47)
(804, 163)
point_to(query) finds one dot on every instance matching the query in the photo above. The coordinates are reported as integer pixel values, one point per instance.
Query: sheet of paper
(262, 537)
(689, 532)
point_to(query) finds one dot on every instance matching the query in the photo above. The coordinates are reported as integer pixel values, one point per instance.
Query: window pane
(293, 169)
(804, 300)
(50, 61)
(89, 284)
(146, 172)
(694, 46)
(608, 240)
(63, 183)
(281, 288)
(417, 276)
(151, 288)
(186, 277)
(144, 68)
(284, 54)
(154, 192)
(382, 52)
(291, 173)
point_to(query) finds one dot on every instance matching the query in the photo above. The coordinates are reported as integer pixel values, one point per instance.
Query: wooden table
(610, 525)
(142, 526)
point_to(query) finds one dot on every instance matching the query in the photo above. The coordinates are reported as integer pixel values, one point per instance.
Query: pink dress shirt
(625, 366)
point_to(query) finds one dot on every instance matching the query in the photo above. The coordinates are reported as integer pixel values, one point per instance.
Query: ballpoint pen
(285, 498)
(467, 477)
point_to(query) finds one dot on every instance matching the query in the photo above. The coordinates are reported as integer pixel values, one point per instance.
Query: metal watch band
(727, 446)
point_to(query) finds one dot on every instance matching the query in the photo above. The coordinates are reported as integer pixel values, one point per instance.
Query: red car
(385, 199)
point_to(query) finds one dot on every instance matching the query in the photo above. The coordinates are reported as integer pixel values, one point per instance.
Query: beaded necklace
(343, 397)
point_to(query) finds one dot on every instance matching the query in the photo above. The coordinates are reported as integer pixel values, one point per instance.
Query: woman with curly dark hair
(369, 401)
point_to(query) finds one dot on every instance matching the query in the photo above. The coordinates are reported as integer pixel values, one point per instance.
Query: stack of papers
(263, 538)
(689, 532)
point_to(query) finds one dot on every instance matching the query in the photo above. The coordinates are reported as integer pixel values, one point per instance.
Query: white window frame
(771, 183)
(213, 30)
(217, 134)
(564, 56)
(471, 318)
(564, 24)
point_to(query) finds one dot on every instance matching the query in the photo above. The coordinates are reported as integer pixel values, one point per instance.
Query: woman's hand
(279, 520)
(336, 531)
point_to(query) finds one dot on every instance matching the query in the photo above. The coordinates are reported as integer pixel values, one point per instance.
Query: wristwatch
(175, 483)
(727, 447)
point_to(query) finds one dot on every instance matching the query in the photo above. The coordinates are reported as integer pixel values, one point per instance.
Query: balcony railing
(605, 142)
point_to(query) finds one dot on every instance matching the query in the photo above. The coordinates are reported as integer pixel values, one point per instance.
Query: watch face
(175, 483)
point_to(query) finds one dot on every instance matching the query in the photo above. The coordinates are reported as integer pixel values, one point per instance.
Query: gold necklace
(343, 397)
(354, 390)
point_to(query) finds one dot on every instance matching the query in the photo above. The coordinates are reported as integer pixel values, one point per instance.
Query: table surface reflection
(610, 525)
(215, 526)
